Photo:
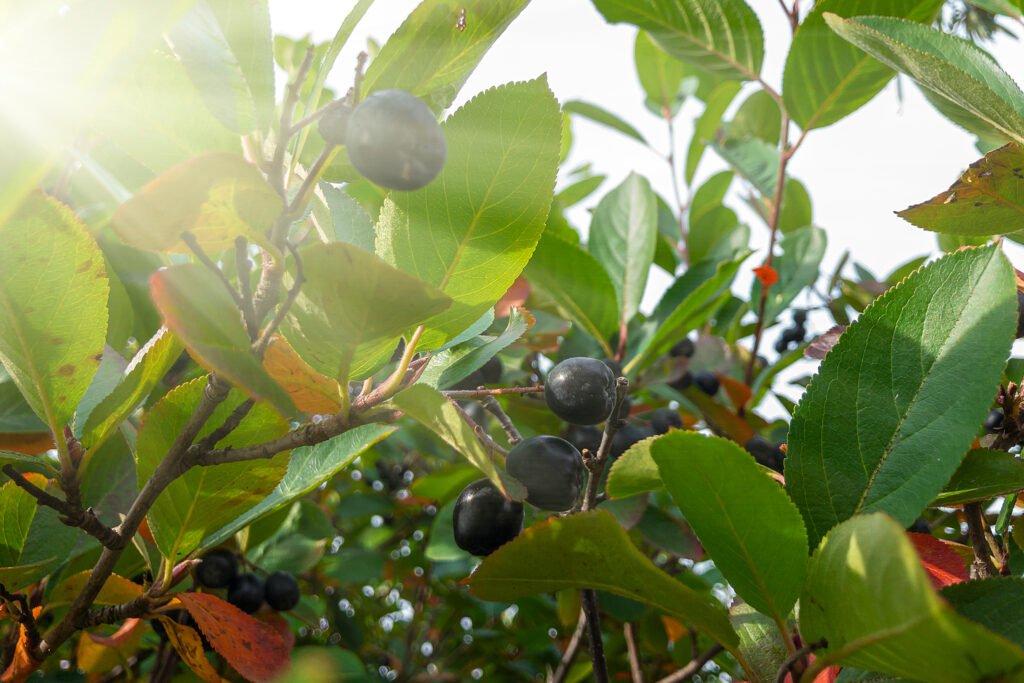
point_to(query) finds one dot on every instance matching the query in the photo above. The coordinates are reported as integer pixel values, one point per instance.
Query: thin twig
(481, 434)
(300, 278)
(597, 461)
(190, 241)
(284, 128)
(635, 671)
(787, 666)
(298, 203)
(589, 599)
(671, 158)
(492, 406)
(693, 666)
(71, 515)
(571, 650)
(984, 565)
(229, 425)
(460, 394)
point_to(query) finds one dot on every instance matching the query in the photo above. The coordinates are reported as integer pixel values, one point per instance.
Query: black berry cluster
(794, 335)
(219, 569)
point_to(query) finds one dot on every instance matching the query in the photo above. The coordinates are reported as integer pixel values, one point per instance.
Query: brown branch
(635, 671)
(596, 462)
(589, 599)
(284, 128)
(460, 394)
(112, 614)
(492, 406)
(71, 515)
(693, 666)
(571, 650)
(300, 278)
(209, 441)
(984, 564)
(22, 613)
(791, 660)
(485, 439)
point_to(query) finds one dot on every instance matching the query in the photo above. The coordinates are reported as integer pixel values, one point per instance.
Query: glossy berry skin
(707, 382)
(685, 349)
(333, 125)
(484, 519)
(581, 391)
(994, 421)
(765, 452)
(583, 437)
(613, 365)
(664, 419)
(281, 591)
(627, 436)
(551, 469)
(394, 140)
(217, 569)
(246, 593)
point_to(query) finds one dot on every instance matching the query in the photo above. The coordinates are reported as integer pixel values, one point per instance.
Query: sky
(884, 157)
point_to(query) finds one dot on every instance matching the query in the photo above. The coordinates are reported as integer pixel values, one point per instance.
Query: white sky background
(884, 157)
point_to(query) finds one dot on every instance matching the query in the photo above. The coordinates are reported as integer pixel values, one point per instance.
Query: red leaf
(255, 649)
(942, 563)
(767, 275)
(279, 624)
(515, 296)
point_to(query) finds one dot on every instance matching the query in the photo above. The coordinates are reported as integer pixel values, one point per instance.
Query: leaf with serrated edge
(634, 472)
(983, 475)
(988, 199)
(472, 230)
(310, 391)
(591, 550)
(879, 427)
(186, 642)
(453, 365)
(53, 307)
(205, 498)
(867, 594)
(743, 518)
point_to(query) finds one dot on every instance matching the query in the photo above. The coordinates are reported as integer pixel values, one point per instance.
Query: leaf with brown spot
(22, 665)
(988, 199)
(217, 197)
(189, 646)
(45, 296)
(253, 648)
(312, 392)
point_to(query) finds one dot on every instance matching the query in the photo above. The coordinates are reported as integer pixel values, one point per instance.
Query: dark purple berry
(580, 391)
(246, 593)
(664, 419)
(281, 591)
(707, 382)
(994, 421)
(217, 568)
(551, 469)
(484, 519)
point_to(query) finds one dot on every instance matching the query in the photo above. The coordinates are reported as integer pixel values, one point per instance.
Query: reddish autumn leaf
(738, 392)
(281, 625)
(724, 420)
(312, 392)
(189, 646)
(823, 343)
(767, 275)
(515, 296)
(254, 648)
(22, 665)
(674, 629)
(943, 564)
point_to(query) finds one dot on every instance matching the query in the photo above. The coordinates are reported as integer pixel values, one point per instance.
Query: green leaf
(704, 128)
(455, 364)
(987, 135)
(202, 314)
(204, 499)
(53, 307)
(754, 159)
(351, 222)
(825, 77)
(32, 463)
(308, 467)
(441, 547)
(952, 67)
(994, 603)
(988, 199)
(666, 80)
(227, 56)
(796, 206)
(429, 57)
(798, 266)
(634, 472)
(716, 235)
(591, 550)
(760, 641)
(216, 197)
(710, 195)
(743, 518)
(868, 595)
(352, 310)
(471, 231)
(33, 541)
(983, 475)
(16, 415)
(604, 117)
(897, 401)
(758, 117)
(577, 284)
(147, 368)
(442, 417)
(692, 311)
(17, 509)
(622, 239)
(722, 36)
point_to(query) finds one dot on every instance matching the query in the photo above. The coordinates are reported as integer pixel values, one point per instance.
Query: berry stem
(590, 607)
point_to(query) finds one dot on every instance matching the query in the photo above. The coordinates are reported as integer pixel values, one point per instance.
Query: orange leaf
(99, 654)
(255, 649)
(22, 665)
(767, 275)
(724, 420)
(29, 444)
(515, 296)
(145, 532)
(674, 629)
(312, 392)
(116, 589)
(281, 625)
(738, 392)
(943, 564)
(829, 675)
(189, 646)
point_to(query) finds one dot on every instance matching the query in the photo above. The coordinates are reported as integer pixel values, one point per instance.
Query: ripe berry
(217, 568)
(484, 519)
(580, 391)
(246, 593)
(664, 419)
(765, 452)
(334, 123)
(686, 348)
(799, 316)
(627, 436)
(683, 383)
(550, 468)
(281, 591)
(707, 382)
(613, 365)
(994, 421)
(583, 437)
(394, 140)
